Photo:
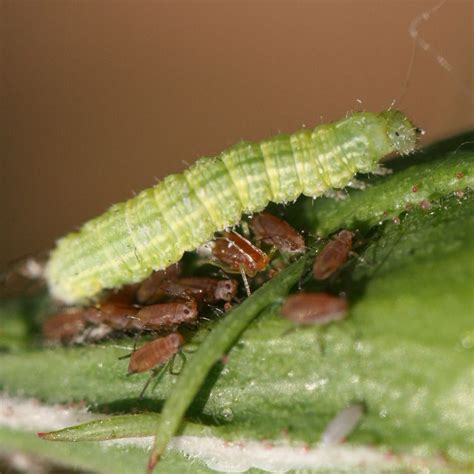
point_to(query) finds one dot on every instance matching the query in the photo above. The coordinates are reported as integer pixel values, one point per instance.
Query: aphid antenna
(245, 280)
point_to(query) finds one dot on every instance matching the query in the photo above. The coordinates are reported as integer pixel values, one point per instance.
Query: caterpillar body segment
(153, 229)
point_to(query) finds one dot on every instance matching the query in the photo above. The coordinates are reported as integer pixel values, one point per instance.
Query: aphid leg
(380, 170)
(320, 342)
(159, 374)
(246, 282)
(217, 311)
(155, 374)
(147, 383)
(319, 339)
(290, 330)
(126, 356)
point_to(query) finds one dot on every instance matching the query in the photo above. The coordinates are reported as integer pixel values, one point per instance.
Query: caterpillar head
(402, 134)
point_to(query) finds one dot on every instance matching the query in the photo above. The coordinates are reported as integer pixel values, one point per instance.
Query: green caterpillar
(154, 229)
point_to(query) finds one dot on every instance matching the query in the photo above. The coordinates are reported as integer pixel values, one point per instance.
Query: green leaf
(405, 349)
(94, 457)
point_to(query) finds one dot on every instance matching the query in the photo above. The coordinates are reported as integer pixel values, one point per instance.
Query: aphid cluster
(166, 300)
(159, 305)
(143, 238)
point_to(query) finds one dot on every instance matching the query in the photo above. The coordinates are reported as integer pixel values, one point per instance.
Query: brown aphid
(209, 290)
(276, 232)
(149, 291)
(333, 255)
(314, 308)
(162, 316)
(155, 353)
(238, 254)
(65, 326)
(119, 317)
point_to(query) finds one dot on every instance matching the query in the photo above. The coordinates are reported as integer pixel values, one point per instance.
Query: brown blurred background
(99, 98)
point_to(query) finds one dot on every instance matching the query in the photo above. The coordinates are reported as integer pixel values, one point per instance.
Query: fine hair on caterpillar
(152, 230)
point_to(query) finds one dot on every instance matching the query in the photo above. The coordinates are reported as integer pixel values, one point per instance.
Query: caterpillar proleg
(154, 229)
